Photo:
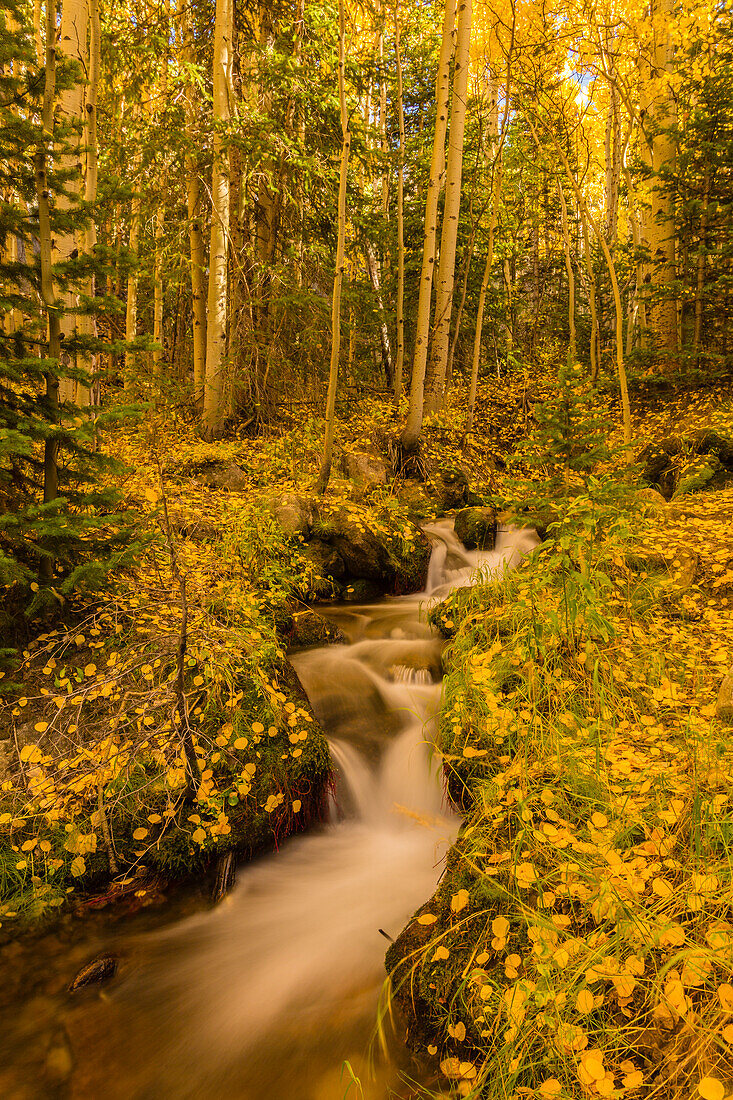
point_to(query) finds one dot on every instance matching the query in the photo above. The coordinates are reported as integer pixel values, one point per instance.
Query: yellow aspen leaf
(624, 984)
(525, 874)
(459, 901)
(725, 996)
(427, 918)
(29, 845)
(241, 743)
(727, 1033)
(710, 1088)
(605, 1086)
(662, 888)
(198, 681)
(139, 834)
(633, 1080)
(257, 727)
(154, 818)
(457, 1031)
(432, 1049)
(584, 1002)
(89, 670)
(441, 953)
(500, 927)
(78, 866)
(30, 754)
(198, 836)
(593, 1065)
(40, 727)
(469, 752)
(550, 1087)
(599, 820)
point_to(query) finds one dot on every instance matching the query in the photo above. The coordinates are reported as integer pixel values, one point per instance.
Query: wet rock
(368, 470)
(453, 488)
(311, 629)
(98, 970)
(684, 464)
(724, 705)
(294, 513)
(326, 559)
(229, 477)
(476, 528)
(364, 554)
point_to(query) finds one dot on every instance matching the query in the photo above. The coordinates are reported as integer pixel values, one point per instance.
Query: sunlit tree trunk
(400, 360)
(330, 425)
(48, 293)
(194, 205)
(478, 333)
(658, 112)
(218, 282)
(435, 383)
(87, 321)
(72, 44)
(592, 297)
(413, 426)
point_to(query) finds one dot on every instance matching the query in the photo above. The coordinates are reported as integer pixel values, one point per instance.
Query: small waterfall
(271, 992)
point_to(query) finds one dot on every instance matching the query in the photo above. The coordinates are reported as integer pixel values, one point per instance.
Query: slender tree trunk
(400, 361)
(218, 282)
(573, 350)
(330, 426)
(373, 272)
(87, 321)
(659, 111)
(435, 381)
(592, 298)
(413, 426)
(48, 295)
(195, 232)
(72, 44)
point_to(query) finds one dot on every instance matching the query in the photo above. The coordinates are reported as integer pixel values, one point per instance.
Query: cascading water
(270, 994)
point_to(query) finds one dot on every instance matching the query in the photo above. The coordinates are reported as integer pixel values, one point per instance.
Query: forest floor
(580, 942)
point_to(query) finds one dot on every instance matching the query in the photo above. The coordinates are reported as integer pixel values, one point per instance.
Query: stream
(273, 993)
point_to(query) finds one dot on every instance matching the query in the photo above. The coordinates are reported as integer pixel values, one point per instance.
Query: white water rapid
(268, 994)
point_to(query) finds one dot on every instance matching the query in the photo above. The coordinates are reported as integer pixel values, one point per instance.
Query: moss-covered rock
(476, 527)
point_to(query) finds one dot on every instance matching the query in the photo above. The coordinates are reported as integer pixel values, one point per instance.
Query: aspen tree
(194, 210)
(413, 425)
(435, 382)
(87, 321)
(400, 360)
(132, 281)
(72, 45)
(657, 114)
(330, 426)
(218, 282)
(158, 301)
(48, 294)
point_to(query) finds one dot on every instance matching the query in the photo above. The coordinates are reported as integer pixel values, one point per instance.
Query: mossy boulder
(311, 629)
(476, 527)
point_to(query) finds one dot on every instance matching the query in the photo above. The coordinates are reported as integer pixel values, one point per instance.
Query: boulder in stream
(476, 527)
